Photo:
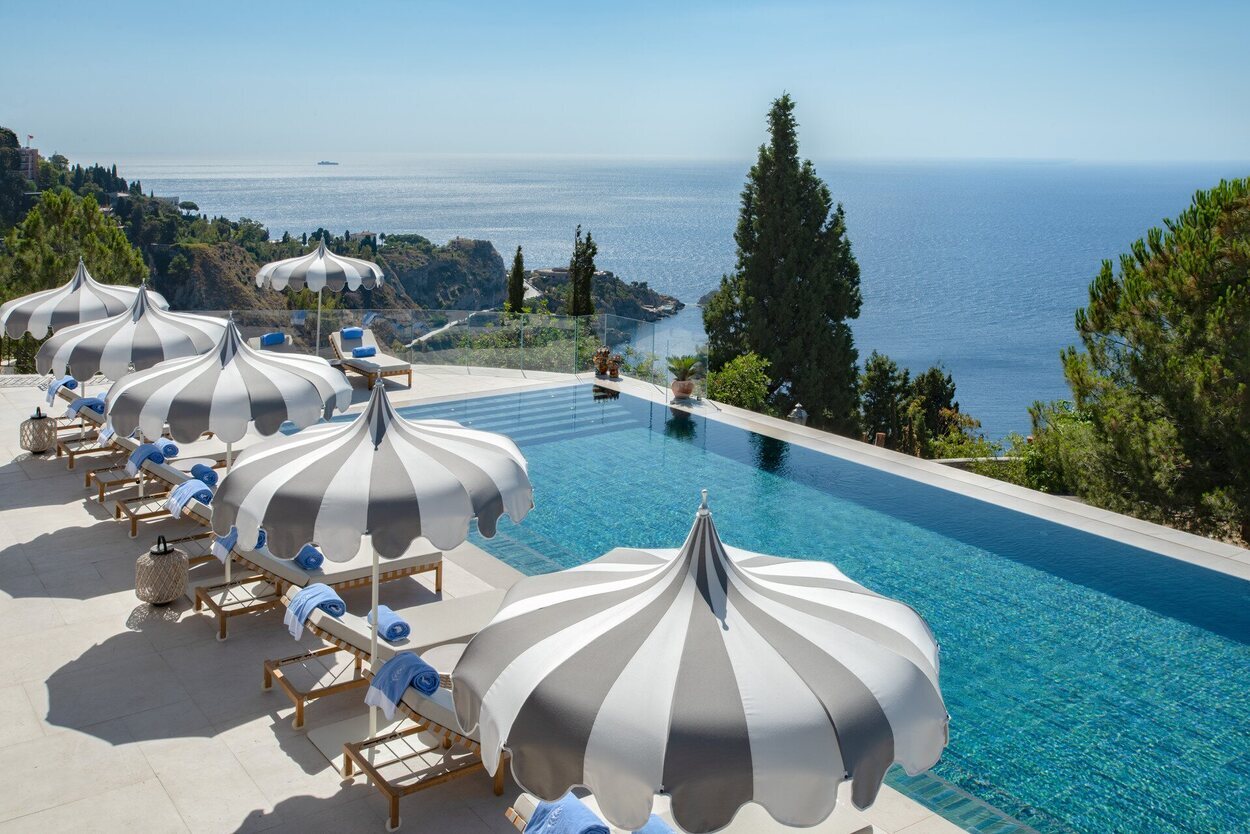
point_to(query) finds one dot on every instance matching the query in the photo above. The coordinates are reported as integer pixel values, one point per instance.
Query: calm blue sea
(977, 266)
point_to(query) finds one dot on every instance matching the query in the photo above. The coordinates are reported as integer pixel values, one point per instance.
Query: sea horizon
(976, 265)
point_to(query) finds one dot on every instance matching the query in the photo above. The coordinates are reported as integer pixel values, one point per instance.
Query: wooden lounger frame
(230, 608)
(356, 756)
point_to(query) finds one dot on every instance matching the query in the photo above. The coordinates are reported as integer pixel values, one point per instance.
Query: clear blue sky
(222, 80)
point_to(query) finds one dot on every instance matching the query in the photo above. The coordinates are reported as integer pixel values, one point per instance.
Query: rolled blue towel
(166, 448)
(391, 626)
(222, 545)
(184, 493)
(96, 404)
(309, 557)
(270, 339)
(364, 352)
(205, 473)
(66, 381)
(302, 604)
(567, 815)
(390, 682)
(145, 452)
(352, 332)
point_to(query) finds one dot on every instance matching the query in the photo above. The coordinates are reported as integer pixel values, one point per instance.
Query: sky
(1100, 81)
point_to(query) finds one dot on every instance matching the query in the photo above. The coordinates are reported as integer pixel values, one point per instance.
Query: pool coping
(1186, 547)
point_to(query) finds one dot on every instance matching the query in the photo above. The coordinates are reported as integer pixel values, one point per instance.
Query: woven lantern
(161, 573)
(38, 434)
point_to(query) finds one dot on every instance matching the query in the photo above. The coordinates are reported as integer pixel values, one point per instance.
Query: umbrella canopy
(380, 474)
(225, 390)
(714, 675)
(318, 270)
(82, 299)
(140, 337)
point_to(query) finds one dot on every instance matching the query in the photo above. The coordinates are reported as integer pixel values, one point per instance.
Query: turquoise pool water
(1092, 686)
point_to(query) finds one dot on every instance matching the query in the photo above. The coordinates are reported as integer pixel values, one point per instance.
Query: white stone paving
(116, 716)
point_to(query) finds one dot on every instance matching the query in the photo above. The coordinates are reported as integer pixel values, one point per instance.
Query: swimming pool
(1092, 686)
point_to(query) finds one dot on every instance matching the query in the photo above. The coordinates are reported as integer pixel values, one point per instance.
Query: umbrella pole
(373, 644)
(317, 343)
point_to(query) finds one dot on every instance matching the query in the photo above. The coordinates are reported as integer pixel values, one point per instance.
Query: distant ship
(327, 162)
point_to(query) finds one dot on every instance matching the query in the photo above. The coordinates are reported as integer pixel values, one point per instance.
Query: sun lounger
(372, 368)
(287, 345)
(147, 501)
(249, 596)
(447, 623)
(752, 819)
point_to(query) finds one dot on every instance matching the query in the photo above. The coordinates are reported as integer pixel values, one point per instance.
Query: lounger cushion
(379, 362)
(336, 573)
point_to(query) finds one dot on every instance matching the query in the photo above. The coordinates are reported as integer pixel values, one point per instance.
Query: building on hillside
(561, 273)
(29, 160)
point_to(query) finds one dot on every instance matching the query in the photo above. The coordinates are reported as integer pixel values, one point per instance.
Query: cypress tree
(581, 275)
(795, 285)
(516, 284)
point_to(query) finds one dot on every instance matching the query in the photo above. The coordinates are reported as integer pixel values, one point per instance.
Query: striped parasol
(319, 270)
(225, 390)
(395, 479)
(714, 675)
(82, 299)
(135, 339)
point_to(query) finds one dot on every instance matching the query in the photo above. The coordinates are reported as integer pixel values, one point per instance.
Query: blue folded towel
(352, 332)
(567, 815)
(309, 557)
(390, 682)
(205, 473)
(302, 604)
(106, 435)
(270, 339)
(364, 352)
(57, 384)
(222, 545)
(184, 492)
(96, 404)
(655, 825)
(370, 318)
(156, 452)
(391, 626)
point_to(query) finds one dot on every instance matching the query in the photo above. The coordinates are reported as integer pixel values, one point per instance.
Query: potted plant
(600, 360)
(614, 365)
(684, 370)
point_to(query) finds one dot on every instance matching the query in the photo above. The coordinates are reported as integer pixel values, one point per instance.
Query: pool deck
(118, 716)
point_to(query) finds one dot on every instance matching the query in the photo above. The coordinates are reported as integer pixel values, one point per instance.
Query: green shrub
(742, 382)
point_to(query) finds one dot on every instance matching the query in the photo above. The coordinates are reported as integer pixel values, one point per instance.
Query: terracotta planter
(682, 388)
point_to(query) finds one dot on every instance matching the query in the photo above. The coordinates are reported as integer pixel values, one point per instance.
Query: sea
(975, 266)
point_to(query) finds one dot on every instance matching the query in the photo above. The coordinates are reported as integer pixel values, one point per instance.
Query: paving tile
(79, 645)
(67, 767)
(75, 698)
(18, 720)
(143, 806)
(207, 784)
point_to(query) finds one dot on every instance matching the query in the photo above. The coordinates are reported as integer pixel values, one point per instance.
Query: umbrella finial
(703, 510)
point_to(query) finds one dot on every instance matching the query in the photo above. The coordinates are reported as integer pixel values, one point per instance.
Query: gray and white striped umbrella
(318, 270)
(83, 299)
(395, 479)
(135, 339)
(225, 390)
(711, 674)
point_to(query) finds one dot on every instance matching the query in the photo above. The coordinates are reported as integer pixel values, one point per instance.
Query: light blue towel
(205, 473)
(567, 815)
(370, 318)
(184, 492)
(271, 339)
(222, 545)
(352, 332)
(391, 626)
(390, 682)
(364, 352)
(106, 435)
(96, 404)
(309, 557)
(302, 604)
(157, 452)
(57, 384)
(655, 825)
